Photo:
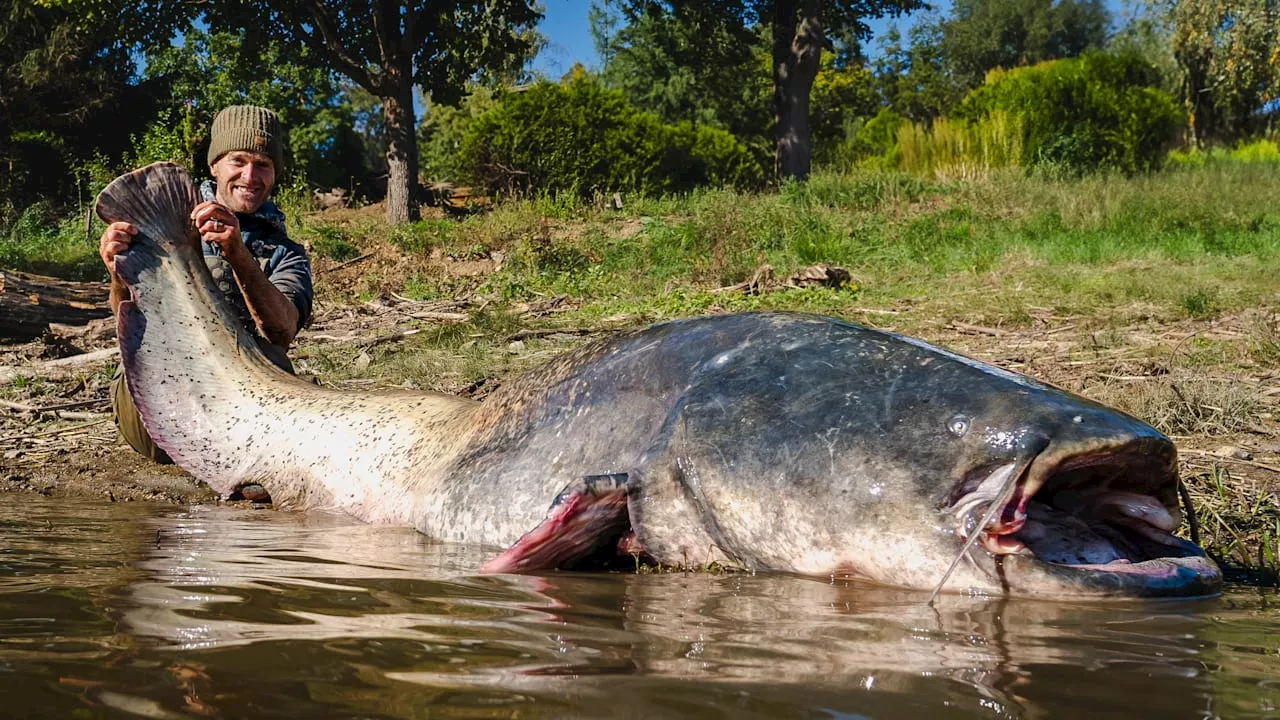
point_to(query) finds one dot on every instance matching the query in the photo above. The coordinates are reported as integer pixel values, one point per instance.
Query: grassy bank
(1190, 243)
(1157, 294)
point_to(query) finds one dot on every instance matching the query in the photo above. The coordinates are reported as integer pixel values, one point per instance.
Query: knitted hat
(246, 127)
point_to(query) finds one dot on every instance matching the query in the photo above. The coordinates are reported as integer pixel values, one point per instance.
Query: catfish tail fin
(157, 199)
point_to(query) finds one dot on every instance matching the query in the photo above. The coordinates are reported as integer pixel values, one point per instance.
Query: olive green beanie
(246, 127)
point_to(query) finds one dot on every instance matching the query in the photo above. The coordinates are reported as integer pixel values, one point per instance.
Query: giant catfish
(765, 441)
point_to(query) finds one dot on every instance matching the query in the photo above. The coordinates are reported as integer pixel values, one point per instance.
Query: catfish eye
(958, 425)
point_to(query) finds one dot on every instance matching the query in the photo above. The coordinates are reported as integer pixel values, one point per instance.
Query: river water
(134, 610)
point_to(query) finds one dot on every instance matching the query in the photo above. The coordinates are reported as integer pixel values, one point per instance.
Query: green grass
(1193, 242)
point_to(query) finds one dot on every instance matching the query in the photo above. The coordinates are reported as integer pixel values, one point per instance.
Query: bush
(866, 141)
(441, 132)
(41, 241)
(1097, 111)
(582, 138)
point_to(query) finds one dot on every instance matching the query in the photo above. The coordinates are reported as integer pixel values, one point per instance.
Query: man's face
(244, 179)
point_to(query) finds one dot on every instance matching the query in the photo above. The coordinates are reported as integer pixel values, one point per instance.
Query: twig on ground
(1228, 458)
(346, 264)
(543, 332)
(365, 340)
(56, 431)
(439, 316)
(20, 407)
(62, 367)
(966, 327)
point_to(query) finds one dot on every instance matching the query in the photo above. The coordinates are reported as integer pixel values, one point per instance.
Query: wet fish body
(769, 441)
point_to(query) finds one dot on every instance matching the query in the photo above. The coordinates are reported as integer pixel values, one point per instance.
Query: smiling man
(265, 275)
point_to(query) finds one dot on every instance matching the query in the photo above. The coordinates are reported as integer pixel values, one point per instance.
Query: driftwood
(28, 303)
(61, 368)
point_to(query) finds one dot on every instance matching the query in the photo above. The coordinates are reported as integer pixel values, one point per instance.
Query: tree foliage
(209, 71)
(387, 47)
(1228, 55)
(948, 56)
(715, 34)
(68, 90)
(676, 66)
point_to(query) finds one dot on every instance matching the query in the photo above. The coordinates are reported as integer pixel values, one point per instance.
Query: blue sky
(568, 38)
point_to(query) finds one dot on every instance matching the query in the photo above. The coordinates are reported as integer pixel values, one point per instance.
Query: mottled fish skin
(767, 440)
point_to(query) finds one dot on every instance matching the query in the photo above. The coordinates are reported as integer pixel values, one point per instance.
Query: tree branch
(333, 48)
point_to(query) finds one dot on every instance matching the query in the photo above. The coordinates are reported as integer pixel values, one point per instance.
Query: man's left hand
(218, 226)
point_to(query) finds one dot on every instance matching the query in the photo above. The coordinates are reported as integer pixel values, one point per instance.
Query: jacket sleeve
(289, 270)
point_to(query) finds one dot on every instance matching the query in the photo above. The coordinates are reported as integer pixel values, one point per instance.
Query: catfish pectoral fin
(588, 516)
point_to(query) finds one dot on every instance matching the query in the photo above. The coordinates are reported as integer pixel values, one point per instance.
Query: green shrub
(865, 139)
(1097, 111)
(1258, 151)
(582, 138)
(39, 240)
(441, 132)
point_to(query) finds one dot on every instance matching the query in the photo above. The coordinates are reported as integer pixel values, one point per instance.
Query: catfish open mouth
(1105, 521)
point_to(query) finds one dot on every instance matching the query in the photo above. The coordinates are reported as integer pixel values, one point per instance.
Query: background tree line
(736, 92)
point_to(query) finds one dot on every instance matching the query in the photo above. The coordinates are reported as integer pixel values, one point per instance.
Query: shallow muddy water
(131, 610)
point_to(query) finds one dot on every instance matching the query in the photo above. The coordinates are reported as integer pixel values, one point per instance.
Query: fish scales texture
(765, 440)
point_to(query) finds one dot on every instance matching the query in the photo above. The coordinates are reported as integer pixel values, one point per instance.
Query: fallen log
(61, 368)
(28, 303)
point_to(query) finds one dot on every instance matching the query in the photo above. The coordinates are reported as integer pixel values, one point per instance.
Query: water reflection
(250, 614)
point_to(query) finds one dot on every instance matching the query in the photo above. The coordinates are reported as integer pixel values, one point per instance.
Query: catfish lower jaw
(1101, 524)
(1183, 577)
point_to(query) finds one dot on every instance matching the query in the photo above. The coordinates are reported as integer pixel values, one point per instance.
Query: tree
(1228, 55)
(949, 56)
(685, 71)
(67, 90)
(797, 31)
(984, 34)
(387, 47)
(208, 71)
(911, 77)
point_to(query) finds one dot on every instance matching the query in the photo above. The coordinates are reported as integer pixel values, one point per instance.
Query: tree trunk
(402, 149)
(796, 52)
(28, 303)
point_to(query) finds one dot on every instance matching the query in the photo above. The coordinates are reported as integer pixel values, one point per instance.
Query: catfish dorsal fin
(157, 199)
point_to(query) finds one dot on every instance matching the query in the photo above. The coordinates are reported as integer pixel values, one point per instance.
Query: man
(263, 274)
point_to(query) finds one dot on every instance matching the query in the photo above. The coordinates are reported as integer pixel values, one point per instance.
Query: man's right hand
(115, 239)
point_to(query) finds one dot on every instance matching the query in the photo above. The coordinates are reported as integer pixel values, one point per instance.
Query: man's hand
(273, 313)
(115, 239)
(218, 226)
